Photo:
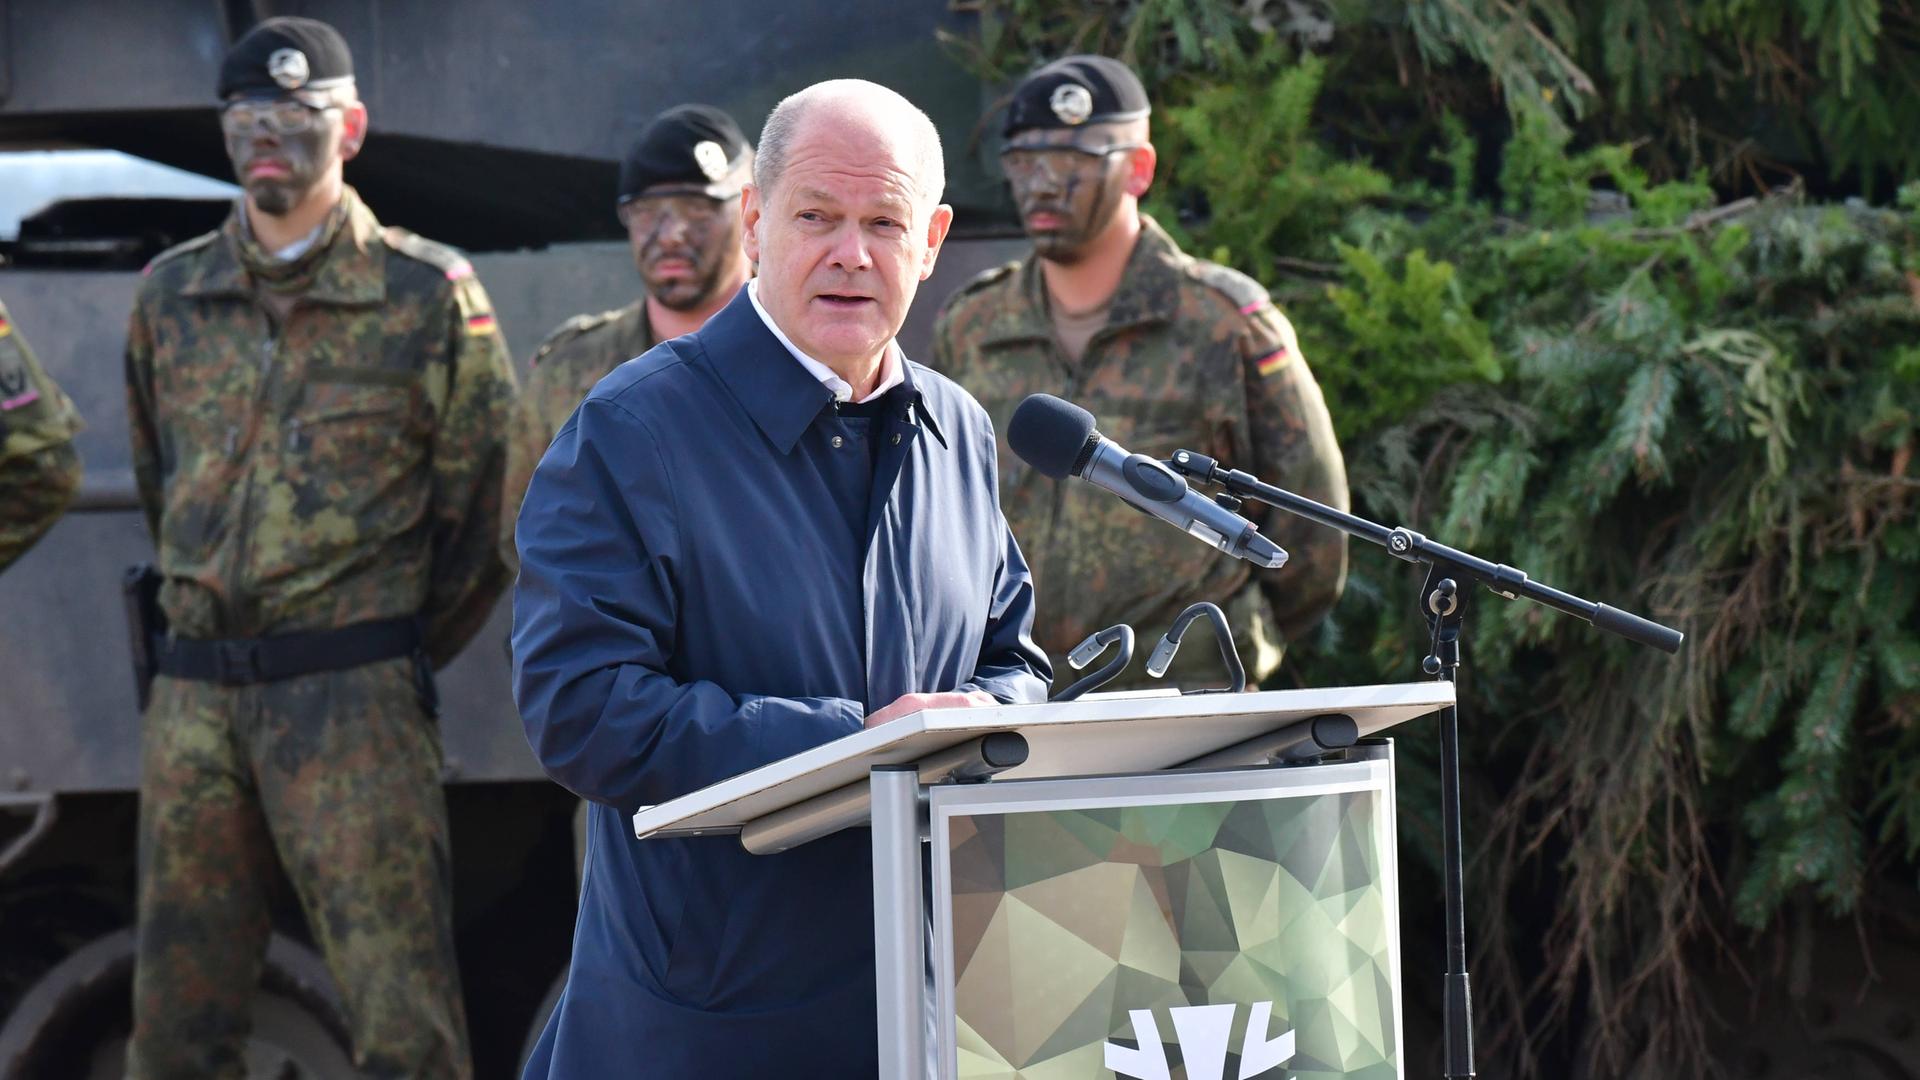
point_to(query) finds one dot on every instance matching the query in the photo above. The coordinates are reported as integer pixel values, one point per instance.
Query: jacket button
(838, 442)
(896, 438)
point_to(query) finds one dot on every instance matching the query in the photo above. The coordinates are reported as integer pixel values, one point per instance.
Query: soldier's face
(684, 243)
(281, 148)
(844, 238)
(1071, 185)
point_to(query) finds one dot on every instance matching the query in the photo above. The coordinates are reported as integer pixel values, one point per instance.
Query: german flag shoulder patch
(1273, 361)
(478, 325)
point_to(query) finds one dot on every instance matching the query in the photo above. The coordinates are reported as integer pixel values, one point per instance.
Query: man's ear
(353, 129)
(1140, 166)
(750, 214)
(937, 226)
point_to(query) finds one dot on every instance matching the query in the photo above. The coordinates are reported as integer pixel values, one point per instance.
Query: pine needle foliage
(1755, 93)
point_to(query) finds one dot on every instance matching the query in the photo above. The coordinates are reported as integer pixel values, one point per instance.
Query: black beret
(691, 144)
(1076, 90)
(284, 54)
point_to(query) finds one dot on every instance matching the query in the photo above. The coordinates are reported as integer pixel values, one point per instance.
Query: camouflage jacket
(1193, 356)
(565, 366)
(344, 467)
(39, 472)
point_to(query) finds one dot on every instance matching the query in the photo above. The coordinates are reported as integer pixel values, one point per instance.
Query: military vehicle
(497, 127)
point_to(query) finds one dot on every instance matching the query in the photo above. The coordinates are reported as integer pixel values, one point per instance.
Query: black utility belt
(246, 661)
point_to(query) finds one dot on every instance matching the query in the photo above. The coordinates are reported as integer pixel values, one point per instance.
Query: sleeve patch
(19, 401)
(480, 324)
(1248, 309)
(461, 269)
(1273, 361)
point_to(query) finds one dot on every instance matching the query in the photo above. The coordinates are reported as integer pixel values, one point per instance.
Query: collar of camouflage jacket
(633, 325)
(1148, 292)
(351, 268)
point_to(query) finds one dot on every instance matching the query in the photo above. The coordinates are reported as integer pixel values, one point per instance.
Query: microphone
(1057, 438)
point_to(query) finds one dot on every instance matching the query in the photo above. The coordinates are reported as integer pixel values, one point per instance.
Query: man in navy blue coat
(752, 540)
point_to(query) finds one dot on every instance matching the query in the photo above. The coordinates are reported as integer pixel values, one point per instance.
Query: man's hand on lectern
(907, 704)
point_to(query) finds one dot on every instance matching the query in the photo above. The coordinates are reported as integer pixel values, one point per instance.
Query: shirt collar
(291, 251)
(351, 272)
(783, 399)
(892, 369)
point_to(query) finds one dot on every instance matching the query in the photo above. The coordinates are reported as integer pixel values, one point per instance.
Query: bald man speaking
(750, 541)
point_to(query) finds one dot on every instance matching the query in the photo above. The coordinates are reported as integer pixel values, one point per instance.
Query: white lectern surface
(1098, 734)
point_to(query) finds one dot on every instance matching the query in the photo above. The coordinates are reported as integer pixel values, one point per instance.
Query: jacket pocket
(352, 471)
(352, 424)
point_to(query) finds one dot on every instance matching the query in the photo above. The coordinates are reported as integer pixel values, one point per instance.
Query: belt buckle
(237, 663)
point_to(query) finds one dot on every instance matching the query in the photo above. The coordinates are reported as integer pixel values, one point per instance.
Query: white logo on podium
(1202, 1033)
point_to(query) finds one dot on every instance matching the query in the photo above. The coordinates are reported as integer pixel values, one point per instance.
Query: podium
(1122, 885)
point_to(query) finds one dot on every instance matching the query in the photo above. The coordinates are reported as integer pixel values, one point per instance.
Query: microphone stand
(1443, 603)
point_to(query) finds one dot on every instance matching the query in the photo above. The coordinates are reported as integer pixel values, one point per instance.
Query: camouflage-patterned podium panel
(1210, 926)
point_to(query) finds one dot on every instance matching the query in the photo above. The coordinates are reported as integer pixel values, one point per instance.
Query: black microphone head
(1050, 434)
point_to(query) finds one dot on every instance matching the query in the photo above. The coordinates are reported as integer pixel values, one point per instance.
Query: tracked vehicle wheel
(74, 1021)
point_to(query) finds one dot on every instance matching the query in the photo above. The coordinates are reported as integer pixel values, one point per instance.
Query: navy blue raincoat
(719, 569)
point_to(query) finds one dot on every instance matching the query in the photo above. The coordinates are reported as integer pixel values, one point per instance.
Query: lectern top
(1098, 734)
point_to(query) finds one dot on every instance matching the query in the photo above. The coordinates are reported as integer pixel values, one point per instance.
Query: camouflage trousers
(339, 775)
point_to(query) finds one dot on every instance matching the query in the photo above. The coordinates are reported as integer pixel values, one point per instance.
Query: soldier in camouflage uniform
(1167, 352)
(679, 199)
(316, 405)
(39, 472)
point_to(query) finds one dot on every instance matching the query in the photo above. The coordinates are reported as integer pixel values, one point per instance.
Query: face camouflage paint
(1067, 192)
(681, 244)
(280, 148)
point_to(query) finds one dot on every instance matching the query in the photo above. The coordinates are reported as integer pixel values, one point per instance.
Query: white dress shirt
(892, 364)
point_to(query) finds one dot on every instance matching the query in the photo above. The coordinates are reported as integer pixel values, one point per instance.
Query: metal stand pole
(1444, 604)
(899, 949)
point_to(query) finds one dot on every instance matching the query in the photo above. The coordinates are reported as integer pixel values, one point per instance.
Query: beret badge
(1072, 103)
(288, 68)
(711, 158)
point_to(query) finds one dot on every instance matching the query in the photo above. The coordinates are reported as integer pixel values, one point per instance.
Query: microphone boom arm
(1404, 543)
